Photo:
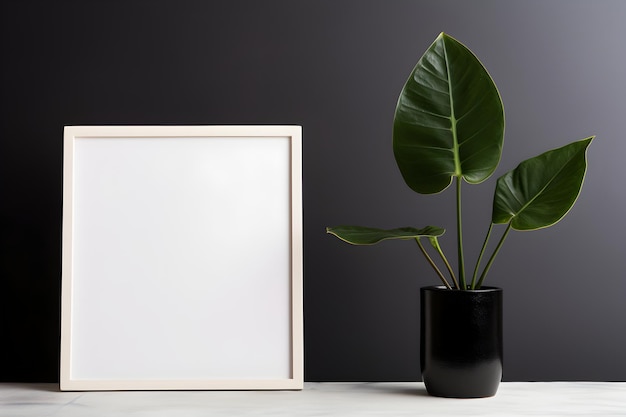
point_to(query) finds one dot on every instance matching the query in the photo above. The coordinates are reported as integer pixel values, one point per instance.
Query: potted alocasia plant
(449, 128)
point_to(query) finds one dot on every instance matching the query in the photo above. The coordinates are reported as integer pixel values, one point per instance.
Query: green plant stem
(459, 227)
(432, 263)
(480, 257)
(493, 256)
(445, 261)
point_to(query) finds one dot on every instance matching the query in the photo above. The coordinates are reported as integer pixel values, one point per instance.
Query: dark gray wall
(336, 68)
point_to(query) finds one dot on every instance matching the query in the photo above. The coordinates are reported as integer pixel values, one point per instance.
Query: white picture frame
(182, 258)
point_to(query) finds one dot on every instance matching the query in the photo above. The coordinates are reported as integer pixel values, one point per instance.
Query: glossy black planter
(461, 341)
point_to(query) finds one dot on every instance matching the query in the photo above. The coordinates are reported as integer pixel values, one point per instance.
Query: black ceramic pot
(461, 341)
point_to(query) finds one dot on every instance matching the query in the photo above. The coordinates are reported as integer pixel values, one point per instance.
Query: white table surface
(319, 399)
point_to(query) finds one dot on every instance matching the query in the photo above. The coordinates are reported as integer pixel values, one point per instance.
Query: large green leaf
(449, 120)
(358, 235)
(541, 190)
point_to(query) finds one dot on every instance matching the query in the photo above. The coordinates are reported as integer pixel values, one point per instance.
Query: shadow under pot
(461, 341)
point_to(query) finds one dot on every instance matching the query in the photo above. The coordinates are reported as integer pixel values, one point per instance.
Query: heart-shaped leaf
(358, 235)
(541, 190)
(449, 120)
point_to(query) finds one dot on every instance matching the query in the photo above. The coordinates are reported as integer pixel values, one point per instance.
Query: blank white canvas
(181, 259)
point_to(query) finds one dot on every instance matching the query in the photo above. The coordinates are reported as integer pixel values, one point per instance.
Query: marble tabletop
(358, 399)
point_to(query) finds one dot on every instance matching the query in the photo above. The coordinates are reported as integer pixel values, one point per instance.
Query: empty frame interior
(182, 258)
